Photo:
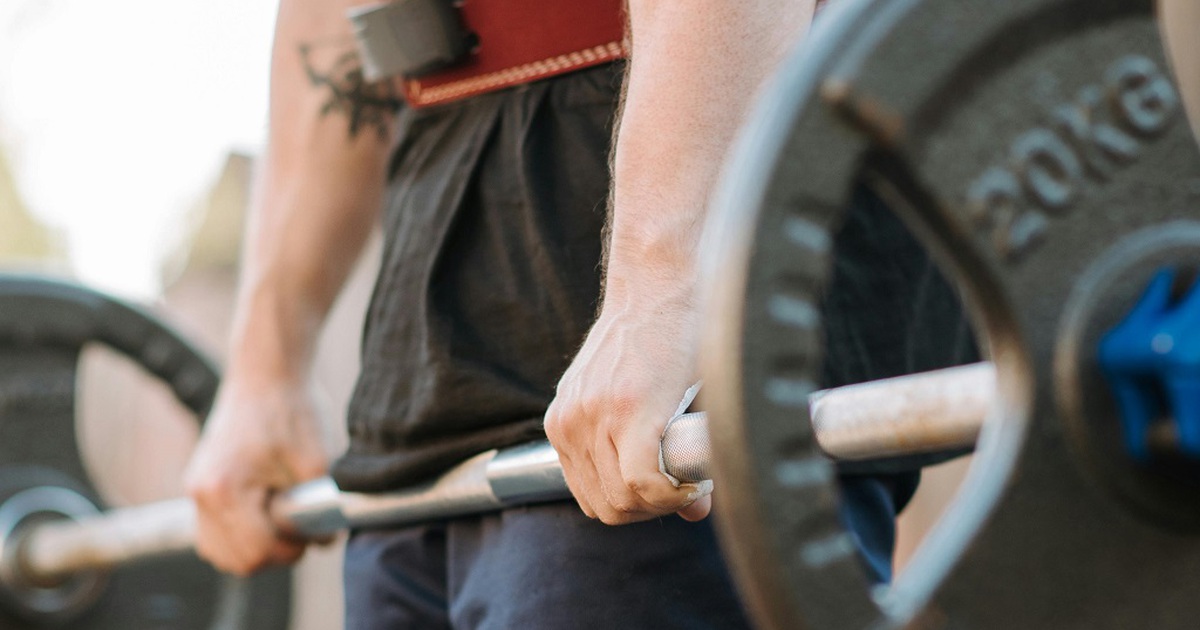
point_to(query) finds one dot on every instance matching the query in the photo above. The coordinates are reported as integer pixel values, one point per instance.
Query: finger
(250, 533)
(222, 545)
(285, 548)
(575, 485)
(597, 496)
(697, 511)
(306, 467)
(617, 493)
(559, 432)
(304, 463)
(214, 541)
(638, 453)
(250, 539)
(284, 552)
(212, 545)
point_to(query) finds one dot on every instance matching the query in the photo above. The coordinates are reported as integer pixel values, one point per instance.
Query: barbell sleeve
(52, 550)
(904, 415)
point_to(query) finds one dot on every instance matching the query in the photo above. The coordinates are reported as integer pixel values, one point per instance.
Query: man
(492, 273)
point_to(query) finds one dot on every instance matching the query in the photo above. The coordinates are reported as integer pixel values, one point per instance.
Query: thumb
(697, 511)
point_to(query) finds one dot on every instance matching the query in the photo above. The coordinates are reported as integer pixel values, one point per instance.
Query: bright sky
(117, 114)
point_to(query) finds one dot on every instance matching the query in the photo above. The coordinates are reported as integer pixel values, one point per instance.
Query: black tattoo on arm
(364, 104)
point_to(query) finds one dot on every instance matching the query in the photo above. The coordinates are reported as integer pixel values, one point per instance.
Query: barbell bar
(933, 411)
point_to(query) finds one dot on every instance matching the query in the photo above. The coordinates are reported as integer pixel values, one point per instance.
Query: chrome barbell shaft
(920, 413)
(900, 416)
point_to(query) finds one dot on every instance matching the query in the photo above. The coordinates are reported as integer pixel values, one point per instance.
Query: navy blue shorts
(550, 567)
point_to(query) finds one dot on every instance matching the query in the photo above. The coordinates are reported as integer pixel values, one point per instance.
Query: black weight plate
(758, 528)
(43, 326)
(1024, 141)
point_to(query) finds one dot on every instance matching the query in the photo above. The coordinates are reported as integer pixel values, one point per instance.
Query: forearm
(695, 68)
(317, 194)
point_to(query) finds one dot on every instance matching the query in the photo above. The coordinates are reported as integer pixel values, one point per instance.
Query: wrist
(652, 258)
(273, 339)
(644, 293)
(253, 369)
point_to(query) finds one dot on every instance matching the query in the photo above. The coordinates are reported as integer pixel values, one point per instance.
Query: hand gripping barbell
(57, 547)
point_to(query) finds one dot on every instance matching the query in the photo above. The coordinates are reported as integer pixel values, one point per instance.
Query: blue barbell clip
(1151, 361)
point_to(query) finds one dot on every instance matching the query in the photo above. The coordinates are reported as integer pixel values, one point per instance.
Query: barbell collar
(46, 598)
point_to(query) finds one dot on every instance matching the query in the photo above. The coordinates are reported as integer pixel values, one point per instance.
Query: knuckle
(553, 426)
(219, 491)
(621, 499)
(194, 480)
(625, 505)
(613, 518)
(202, 490)
(557, 423)
(240, 569)
(624, 405)
(313, 465)
(205, 552)
(657, 492)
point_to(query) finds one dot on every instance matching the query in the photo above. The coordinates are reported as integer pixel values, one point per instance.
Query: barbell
(1035, 147)
(57, 546)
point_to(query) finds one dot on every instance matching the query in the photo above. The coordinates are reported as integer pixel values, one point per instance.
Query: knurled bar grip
(904, 415)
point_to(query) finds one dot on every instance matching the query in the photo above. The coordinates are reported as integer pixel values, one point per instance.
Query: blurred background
(128, 135)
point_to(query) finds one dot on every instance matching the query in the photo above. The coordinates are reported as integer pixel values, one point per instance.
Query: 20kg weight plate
(1022, 141)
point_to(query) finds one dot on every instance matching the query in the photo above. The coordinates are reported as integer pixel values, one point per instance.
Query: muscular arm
(319, 189)
(695, 68)
(316, 197)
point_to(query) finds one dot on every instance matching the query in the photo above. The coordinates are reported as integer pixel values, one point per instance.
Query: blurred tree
(215, 242)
